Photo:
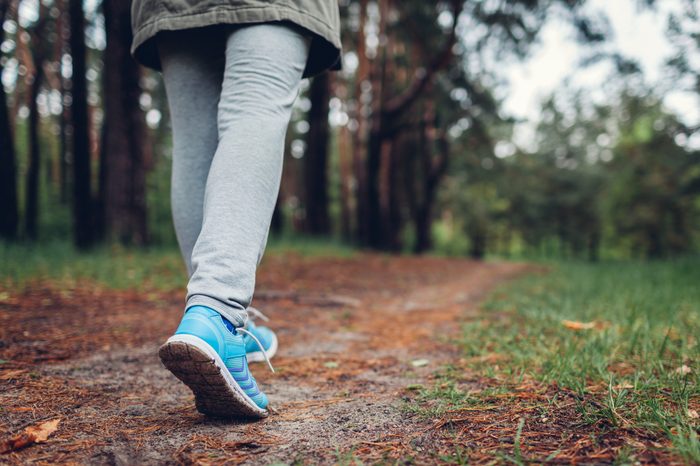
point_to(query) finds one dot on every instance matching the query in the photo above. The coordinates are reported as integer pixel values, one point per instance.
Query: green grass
(22, 264)
(309, 246)
(640, 361)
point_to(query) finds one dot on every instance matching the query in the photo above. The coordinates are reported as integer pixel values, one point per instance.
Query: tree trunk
(390, 110)
(373, 219)
(82, 192)
(9, 217)
(477, 239)
(359, 139)
(434, 157)
(123, 159)
(277, 222)
(316, 158)
(345, 183)
(594, 245)
(421, 205)
(31, 209)
(423, 221)
(389, 195)
(62, 34)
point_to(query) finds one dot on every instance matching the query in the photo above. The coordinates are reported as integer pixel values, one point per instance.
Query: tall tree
(388, 109)
(434, 148)
(62, 36)
(83, 218)
(35, 78)
(416, 50)
(316, 158)
(9, 218)
(123, 158)
(359, 135)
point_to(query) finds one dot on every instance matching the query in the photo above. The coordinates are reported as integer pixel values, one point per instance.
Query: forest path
(354, 334)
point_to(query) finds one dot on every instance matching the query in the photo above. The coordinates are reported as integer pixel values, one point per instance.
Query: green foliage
(610, 180)
(653, 200)
(607, 180)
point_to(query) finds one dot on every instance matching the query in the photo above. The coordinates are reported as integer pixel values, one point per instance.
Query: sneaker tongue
(229, 326)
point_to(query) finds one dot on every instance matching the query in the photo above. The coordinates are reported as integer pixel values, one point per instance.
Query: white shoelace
(256, 314)
(262, 349)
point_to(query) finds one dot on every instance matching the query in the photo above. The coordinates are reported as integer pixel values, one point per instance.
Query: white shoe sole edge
(257, 356)
(197, 365)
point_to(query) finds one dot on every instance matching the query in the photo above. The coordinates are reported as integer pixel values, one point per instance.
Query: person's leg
(264, 66)
(193, 69)
(209, 351)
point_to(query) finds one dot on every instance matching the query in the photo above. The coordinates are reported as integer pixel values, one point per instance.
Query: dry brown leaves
(575, 325)
(29, 436)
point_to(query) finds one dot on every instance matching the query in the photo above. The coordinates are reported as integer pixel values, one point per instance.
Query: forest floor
(369, 353)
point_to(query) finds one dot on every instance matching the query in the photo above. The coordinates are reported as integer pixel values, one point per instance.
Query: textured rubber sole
(198, 366)
(257, 356)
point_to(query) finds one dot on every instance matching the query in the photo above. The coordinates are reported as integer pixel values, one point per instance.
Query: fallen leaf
(21, 409)
(31, 435)
(331, 364)
(9, 375)
(574, 325)
(43, 430)
(623, 386)
(419, 362)
(692, 414)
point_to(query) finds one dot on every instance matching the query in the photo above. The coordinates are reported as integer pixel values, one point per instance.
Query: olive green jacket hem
(323, 54)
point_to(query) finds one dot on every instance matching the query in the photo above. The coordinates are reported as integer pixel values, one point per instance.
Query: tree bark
(83, 218)
(38, 56)
(316, 158)
(374, 231)
(123, 213)
(477, 240)
(359, 139)
(9, 217)
(62, 34)
(31, 209)
(345, 183)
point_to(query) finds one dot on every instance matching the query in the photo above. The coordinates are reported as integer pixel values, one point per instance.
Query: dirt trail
(350, 333)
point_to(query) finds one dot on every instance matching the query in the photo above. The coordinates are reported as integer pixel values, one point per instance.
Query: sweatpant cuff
(235, 315)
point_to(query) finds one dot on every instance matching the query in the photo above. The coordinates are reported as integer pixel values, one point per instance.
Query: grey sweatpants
(230, 91)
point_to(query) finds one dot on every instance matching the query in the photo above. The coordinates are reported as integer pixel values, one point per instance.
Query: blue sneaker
(209, 355)
(266, 345)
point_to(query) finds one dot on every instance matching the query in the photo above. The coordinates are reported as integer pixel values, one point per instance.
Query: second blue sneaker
(265, 347)
(209, 355)
(267, 340)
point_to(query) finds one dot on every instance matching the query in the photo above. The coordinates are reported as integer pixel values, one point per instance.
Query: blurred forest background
(407, 149)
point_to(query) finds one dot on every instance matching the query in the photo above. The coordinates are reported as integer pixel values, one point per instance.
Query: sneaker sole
(198, 366)
(257, 356)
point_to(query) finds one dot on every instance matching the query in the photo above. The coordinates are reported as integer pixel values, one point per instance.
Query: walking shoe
(208, 354)
(266, 337)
